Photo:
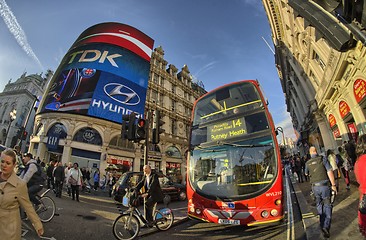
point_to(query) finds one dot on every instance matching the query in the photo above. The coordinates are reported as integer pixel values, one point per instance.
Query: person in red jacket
(360, 168)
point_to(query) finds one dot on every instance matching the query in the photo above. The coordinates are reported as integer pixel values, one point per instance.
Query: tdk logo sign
(94, 55)
(122, 93)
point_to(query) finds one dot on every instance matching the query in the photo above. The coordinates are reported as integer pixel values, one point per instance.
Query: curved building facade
(96, 143)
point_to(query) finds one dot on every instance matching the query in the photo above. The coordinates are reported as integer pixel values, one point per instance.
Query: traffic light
(157, 130)
(128, 126)
(140, 129)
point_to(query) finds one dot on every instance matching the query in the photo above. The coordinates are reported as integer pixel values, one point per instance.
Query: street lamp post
(12, 116)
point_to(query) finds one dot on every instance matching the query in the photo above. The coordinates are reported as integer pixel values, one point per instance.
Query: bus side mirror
(276, 131)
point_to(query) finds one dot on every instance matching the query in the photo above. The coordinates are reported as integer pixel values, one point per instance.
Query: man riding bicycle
(152, 193)
(32, 176)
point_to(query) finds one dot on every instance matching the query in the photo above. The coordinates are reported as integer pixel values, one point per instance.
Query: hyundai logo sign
(122, 94)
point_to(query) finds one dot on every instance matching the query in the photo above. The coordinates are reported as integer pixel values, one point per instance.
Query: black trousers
(58, 187)
(149, 206)
(32, 192)
(75, 191)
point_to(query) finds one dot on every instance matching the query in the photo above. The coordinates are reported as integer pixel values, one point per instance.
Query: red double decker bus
(234, 165)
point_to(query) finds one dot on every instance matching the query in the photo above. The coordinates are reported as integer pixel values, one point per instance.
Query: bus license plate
(227, 221)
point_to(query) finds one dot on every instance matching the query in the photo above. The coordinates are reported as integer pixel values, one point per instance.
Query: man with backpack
(32, 175)
(323, 185)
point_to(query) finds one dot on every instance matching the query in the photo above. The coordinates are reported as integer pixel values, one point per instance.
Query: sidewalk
(344, 218)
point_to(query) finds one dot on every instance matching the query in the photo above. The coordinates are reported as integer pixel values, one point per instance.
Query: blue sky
(220, 41)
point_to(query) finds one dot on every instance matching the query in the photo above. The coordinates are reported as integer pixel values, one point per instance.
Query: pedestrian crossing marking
(308, 215)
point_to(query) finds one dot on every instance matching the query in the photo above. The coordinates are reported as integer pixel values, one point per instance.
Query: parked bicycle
(127, 225)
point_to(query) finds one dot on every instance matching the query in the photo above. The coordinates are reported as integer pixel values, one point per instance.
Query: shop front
(119, 164)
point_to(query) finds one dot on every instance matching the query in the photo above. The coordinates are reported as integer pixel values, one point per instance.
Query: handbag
(72, 181)
(362, 204)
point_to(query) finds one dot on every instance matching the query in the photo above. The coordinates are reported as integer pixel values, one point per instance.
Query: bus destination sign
(226, 130)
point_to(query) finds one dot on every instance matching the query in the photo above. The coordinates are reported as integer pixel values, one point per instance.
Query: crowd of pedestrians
(76, 179)
(325, 171)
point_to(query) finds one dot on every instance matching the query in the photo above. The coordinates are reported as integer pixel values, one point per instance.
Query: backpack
(39, 177)
(339, 160)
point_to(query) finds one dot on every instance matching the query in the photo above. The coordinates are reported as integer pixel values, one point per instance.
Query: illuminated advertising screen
(104, 74)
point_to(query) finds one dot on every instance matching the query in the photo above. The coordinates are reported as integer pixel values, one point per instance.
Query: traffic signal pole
(146, 147)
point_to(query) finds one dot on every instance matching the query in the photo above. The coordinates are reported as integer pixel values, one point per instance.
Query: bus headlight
(274, 212)
(265, 214)
(198, 211)
(191, 209)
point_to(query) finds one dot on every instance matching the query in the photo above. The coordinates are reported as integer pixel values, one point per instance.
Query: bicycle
(47, 208)
(127, 224)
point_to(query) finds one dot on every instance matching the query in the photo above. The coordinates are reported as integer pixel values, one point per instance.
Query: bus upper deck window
(222, 94)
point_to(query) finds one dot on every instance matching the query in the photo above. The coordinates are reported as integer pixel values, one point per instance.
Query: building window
(173, 127)
(319, 60)
(88, 135)
(187, 130)
(173, 88)
(174, 105)
(154, 96)
(118, 142)
(161, 100)
(155, 79)
(173, 151)
(162, 80)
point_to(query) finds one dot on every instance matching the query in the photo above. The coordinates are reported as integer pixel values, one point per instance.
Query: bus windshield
(233, 170)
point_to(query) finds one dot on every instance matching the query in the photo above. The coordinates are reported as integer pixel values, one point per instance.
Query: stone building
(322, 69)
(97, 143)
(20, 96)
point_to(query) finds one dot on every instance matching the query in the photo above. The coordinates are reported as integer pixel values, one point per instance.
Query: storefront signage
(359, 89)
(119, 160)
(225, 130)
(336, 133)
(343, 109)
(332, 120)
(172, 165)
(353, 130)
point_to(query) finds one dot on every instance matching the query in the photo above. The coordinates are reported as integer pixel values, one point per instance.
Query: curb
(309, 220)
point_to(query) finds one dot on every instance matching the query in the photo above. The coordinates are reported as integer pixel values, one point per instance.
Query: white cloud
(15, 29)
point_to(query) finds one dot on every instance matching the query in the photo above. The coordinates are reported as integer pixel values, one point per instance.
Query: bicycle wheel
(163, 218)
(47, 210)
(126, 227)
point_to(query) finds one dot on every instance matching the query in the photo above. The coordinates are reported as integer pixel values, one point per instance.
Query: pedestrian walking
(67, 176)
(345, 165)
(321, 177)
(75, 180)
(111, 181)
(303, 162)
(96, 179)
(14, 194)
(332, 159)
(298, 169)
(59, 174)
(351, 151)
(49, 172)
(360, 167)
